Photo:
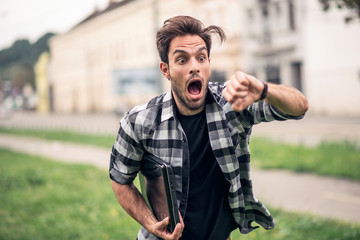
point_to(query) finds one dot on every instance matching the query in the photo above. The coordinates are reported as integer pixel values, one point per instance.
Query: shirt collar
(168, 104)
(168, 110)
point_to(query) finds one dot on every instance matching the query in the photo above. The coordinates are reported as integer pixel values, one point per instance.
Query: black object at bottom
(159, 192)
(168, 178)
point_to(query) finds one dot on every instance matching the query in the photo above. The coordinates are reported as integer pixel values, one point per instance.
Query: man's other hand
(160, 229)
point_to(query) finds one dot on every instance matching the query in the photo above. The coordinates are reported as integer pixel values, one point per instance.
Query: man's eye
(181, 60)
(202, 59)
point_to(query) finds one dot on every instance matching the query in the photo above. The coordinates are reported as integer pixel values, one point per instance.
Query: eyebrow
(182, 51)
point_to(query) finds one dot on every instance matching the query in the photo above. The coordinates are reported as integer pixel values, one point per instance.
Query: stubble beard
(190, 105)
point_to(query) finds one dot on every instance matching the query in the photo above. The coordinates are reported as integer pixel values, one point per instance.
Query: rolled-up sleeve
(265, 112)
(126, 154)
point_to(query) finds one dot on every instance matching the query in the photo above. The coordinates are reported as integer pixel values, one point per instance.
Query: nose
(194, 67)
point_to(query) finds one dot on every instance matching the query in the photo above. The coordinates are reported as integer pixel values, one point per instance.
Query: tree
(17, 62)
(353, 7)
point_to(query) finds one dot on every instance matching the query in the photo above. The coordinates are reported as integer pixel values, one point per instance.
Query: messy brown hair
(184, 25)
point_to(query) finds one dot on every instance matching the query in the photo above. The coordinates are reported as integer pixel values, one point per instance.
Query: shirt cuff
(120, 178)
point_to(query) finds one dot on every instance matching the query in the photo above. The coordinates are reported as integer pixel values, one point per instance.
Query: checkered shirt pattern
(154, 128)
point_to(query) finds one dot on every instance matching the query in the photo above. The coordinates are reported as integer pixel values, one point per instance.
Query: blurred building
(109, 60)
(42, 83)
(294, 42)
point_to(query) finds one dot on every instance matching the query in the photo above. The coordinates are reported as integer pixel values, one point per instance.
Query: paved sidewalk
(309, 131)
(332, 198)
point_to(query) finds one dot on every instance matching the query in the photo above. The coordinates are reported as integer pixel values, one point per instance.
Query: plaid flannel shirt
(154, 128)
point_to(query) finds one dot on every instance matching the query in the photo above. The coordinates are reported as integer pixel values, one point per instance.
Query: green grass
(294, 226)
(44, 199)
(99, 140)
(341, 159)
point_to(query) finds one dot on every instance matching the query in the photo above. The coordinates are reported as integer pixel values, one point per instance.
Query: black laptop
(158, 189)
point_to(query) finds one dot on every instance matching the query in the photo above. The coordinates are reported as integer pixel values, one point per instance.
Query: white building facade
(110, 62)
(294, 42)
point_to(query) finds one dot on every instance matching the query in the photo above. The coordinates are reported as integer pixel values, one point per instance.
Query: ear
(164, 67)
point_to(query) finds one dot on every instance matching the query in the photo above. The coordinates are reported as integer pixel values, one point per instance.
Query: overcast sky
(33, 18)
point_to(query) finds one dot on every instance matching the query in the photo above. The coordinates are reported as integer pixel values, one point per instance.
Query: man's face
(189, 73)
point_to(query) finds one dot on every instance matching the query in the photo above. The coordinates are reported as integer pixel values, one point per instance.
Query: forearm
(287, 99)
(134, 204)
(243, 89)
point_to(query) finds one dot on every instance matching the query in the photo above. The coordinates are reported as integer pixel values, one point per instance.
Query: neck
(183, 109)
(188, 112)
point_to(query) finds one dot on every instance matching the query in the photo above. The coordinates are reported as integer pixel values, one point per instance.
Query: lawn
(99, 140)
(341, 159)
(44, 199)
(336, 159)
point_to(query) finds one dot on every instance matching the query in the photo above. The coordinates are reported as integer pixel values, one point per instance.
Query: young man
(202, 130)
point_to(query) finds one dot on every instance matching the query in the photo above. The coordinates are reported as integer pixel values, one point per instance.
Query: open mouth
(194, 87)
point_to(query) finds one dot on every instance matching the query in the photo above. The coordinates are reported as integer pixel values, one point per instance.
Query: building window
(273, 74)
(135, 81)
(291, 15)
(250, 14)
(266, 24)
(296, 75)
(277, 9)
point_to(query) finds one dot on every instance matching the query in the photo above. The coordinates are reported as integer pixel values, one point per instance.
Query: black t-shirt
(208, 215)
